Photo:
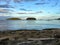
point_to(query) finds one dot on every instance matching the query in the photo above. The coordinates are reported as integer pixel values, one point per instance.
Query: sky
(36, 8)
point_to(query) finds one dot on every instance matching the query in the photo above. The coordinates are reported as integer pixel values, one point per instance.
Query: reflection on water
(3, 25)
(28, 24)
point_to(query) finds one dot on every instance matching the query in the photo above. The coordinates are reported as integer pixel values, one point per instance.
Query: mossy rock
(13, 19)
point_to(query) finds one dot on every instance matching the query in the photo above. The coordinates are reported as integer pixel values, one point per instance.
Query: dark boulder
(57, 36)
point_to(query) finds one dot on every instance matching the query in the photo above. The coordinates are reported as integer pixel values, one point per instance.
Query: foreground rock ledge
(30, 33)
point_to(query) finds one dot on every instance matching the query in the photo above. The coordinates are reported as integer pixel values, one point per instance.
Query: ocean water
(28, 24)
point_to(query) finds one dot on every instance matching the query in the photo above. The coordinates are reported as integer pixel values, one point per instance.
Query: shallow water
(28, 24)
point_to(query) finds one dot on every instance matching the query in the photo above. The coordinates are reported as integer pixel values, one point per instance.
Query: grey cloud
(25, 9)
(25, 13)
(40, 3)
(5, 10)
(2, 0)
(21, 13)
(5, 6)
(30, 12)
(39, 12)
(58, 13)
(18, 1)
(30, 0)
(22, 9)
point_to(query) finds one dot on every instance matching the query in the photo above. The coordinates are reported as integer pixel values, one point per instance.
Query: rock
(57, 35)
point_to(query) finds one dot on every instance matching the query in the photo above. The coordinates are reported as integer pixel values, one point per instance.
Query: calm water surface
(28, 24)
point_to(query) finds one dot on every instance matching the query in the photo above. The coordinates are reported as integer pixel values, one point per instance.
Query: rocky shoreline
(23, 35)
(32, 33)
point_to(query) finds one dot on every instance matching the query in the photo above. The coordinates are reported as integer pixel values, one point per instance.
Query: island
(58, 19)
(14, 18)
(31, 18)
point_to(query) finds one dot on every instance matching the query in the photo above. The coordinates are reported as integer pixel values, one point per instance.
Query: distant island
(31, 18)
(58, 19)
(13, 19)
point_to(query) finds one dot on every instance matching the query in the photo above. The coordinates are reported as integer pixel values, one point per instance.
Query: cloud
(26, 12)
(4, 10)
(18, 1)
(30, 0)
(40, 3)
(39, 12)
(2, 0)
(24, 9)
(58, 13)
(5, 6)
(30, 12)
